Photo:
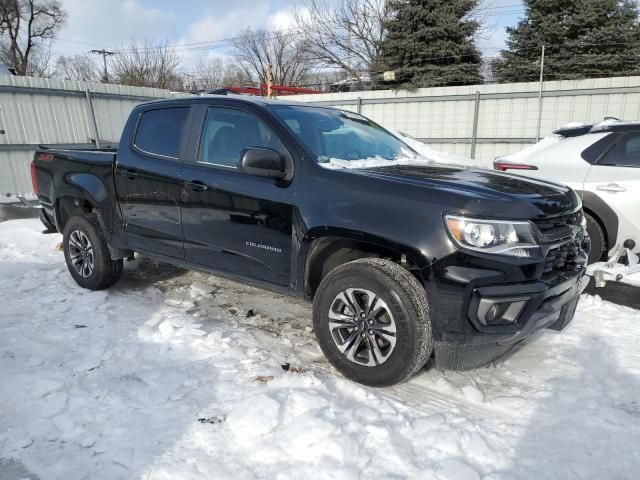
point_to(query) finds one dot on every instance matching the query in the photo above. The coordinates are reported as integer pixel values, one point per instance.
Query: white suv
(602, 163)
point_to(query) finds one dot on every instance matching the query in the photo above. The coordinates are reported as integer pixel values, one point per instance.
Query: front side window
(339, 135)
(159, 131)
(227, 132)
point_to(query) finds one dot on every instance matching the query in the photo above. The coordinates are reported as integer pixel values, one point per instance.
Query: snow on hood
(426, 155)
(372, 162)
(440, 157)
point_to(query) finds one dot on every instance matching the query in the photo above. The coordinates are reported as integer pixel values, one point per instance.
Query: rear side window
(625, 153)
(630, 151)
(159, 131)
(597, 149)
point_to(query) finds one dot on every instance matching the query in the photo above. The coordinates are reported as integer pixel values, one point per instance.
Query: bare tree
(78, 67)
(147, 65)
(287, 53)
(216, 72)
(27, 28)
(347, 35)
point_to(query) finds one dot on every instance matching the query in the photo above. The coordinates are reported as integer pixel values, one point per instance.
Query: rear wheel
(87, 255)
(372, 321)
(598, 242)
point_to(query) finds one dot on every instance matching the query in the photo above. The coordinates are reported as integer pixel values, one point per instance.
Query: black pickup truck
(403, 258)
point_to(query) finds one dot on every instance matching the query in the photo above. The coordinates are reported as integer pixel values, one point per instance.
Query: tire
(83, 236)
(47, 222)
(598, 242)
(349, 342)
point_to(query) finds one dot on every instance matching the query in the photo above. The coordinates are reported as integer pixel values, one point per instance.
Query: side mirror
(263, 162)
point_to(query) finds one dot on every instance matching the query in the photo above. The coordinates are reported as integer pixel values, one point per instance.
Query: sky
(94, 24)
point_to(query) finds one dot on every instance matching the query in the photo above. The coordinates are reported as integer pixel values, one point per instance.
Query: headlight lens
(513, 238)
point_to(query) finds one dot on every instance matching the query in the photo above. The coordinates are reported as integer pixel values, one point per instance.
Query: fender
(605, 214)
(317, 238)
(92, 189)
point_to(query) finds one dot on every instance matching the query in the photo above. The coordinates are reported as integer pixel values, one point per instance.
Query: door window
(629, 151)
(226, 132)
(159, 131)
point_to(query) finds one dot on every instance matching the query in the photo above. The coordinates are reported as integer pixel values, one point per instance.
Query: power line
(105, 53)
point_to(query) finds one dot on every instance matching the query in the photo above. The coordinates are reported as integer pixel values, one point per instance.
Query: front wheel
(372, 321)
(598, 242)
(87, 254)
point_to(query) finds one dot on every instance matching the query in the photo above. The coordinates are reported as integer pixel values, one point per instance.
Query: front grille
(557, 227)
(563, 258)
(567, 242)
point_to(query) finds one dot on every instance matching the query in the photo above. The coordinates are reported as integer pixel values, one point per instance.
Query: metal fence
(488, 121)
(479, 121)
(42, 111)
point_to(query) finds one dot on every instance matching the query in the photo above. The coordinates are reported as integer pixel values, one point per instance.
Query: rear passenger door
(148, 180)
(616, 179)
(232, 221)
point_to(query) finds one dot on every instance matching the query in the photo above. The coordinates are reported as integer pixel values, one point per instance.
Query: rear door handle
(130, 174)
(197, 186)
(611, 187)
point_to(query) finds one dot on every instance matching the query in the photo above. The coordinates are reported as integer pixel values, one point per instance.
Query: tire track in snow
(416, 393)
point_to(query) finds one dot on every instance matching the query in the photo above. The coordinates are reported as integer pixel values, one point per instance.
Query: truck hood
(478, 183)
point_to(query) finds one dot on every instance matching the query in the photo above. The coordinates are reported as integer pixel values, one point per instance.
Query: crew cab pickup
(403, 258)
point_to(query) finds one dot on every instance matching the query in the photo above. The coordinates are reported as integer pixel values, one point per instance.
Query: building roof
(6, 70)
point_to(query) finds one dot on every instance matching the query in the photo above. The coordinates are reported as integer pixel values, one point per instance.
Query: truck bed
(70, 172)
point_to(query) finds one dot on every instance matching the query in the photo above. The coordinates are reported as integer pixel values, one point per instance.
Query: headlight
(502, 237)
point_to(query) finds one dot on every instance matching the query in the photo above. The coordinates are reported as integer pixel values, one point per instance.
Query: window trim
(182, 134)
(228, 168)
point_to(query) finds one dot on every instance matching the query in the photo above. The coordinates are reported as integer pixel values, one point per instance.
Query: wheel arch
(69, 205)
(603, 214)
(335, 247)
(81, 192)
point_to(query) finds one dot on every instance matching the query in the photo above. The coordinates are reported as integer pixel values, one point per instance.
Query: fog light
(496, 311)
(502, 311)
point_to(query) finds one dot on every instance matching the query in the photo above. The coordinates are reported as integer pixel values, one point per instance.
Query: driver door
(232, 221)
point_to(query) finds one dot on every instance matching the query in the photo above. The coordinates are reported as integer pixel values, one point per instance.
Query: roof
(6, 70)
(609, 125)
(244, 99)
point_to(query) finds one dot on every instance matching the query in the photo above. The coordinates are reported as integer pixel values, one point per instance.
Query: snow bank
(177, 375)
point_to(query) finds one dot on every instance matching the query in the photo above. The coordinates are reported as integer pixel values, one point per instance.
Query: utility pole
(540, 95)
(269, 81)
(104, 54)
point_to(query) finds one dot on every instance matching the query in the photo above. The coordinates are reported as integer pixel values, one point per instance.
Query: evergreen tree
(582, 39)
(430, 43)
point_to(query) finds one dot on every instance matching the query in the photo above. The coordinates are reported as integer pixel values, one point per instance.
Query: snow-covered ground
(177, 375)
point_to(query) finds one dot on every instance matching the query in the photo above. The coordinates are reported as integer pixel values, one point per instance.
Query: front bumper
(547, 306)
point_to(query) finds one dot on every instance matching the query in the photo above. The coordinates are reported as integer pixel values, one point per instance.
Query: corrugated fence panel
(36, 111)
(507, 114)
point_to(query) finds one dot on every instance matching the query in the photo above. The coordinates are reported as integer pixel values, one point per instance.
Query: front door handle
(611, 187)
(197, 186)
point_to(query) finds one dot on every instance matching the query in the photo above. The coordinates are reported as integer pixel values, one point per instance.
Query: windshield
(336, 136)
